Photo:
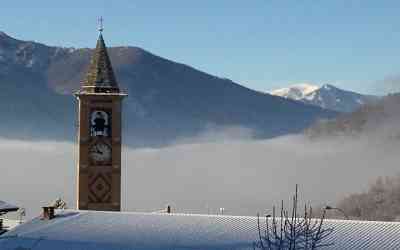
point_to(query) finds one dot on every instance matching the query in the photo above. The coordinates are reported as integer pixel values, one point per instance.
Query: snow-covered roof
(10, 224)
(91, 230)
(6, 207)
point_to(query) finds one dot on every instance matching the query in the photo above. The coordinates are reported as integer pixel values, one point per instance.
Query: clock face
(100, 152)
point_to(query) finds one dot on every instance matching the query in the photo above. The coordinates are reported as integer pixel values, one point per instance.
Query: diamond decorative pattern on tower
(100, 188)
(100, 76)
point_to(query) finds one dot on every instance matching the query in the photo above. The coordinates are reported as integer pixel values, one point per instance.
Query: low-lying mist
(243, 176)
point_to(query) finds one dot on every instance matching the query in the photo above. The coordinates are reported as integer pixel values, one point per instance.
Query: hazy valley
(244, 176)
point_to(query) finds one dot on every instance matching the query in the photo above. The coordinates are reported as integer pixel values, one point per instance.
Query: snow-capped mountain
(327, 97)
(295, 92)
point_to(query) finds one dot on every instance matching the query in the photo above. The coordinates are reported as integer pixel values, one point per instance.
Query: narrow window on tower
(100, 123)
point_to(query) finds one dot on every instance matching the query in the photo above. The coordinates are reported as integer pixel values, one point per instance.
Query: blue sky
(262, 44)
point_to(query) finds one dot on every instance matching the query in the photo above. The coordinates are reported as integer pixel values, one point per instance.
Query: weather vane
(101, 27)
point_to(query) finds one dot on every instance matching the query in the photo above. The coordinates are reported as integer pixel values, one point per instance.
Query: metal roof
(6, 207)
(76, 230)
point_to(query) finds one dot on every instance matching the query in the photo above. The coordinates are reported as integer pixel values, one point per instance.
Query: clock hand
(95, 150)
(98, 151)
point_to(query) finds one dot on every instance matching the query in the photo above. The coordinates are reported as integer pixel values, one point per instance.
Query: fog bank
(243, 176)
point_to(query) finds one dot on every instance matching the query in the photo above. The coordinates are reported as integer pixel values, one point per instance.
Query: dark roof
(90, 230)
(6, 207)
(100, 76)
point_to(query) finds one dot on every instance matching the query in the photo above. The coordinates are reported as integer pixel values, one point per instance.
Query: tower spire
(100, 76)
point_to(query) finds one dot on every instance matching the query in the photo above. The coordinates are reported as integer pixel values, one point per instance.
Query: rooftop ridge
(219, 216)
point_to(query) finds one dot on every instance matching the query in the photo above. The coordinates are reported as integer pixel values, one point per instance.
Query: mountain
(381, 117)
(167, 101)
(327, 97)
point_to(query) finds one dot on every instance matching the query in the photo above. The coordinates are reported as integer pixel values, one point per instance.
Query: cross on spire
(101, 27)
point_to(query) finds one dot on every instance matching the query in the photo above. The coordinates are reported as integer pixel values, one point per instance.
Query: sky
(262, 44)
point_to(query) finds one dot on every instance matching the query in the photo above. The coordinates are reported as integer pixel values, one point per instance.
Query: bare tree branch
(293, 232)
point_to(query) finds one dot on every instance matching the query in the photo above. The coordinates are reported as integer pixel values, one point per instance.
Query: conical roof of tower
(100, 76)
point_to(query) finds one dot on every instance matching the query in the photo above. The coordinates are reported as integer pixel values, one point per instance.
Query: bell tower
(99, 135)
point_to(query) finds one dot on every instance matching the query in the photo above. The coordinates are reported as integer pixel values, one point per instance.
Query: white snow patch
(327, 87)
(295, 92)
(30, 63)
(311, 96)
